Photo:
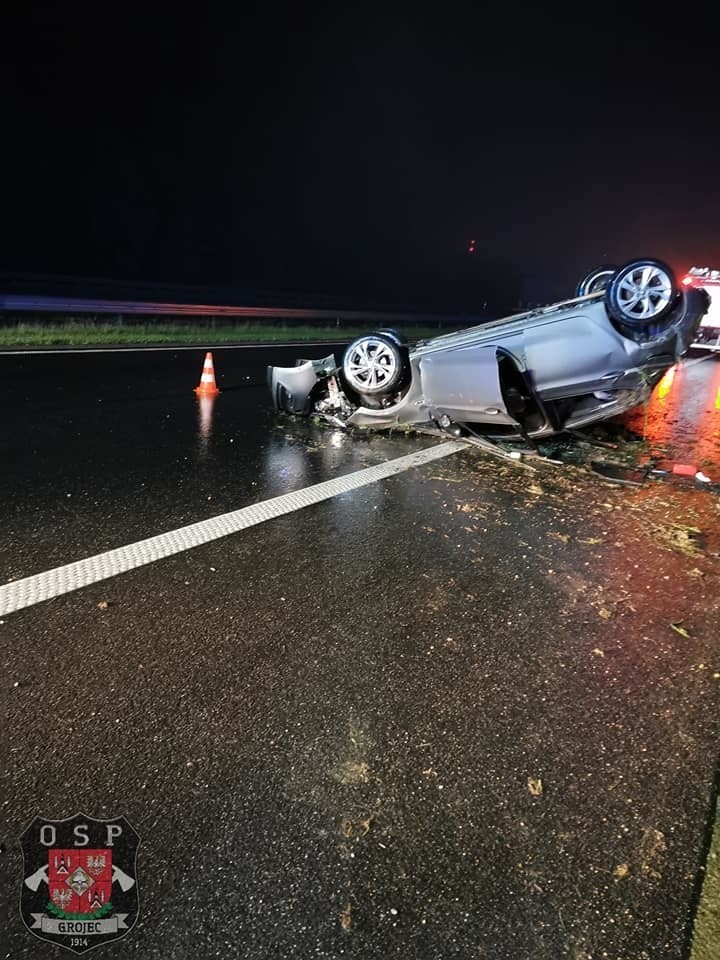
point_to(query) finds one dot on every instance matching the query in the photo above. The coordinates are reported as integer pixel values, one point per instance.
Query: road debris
(652, 850)
(535, 786)
(350, 772)
(620, 473)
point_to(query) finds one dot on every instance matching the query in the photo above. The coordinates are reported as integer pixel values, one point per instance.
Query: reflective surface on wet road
(682, 418)
(99, 450)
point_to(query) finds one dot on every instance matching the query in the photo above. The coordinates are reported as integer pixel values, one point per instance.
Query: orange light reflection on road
(663, 388)
(205, 424)
(681, 415)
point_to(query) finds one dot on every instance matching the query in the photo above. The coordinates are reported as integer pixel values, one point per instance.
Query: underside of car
(529, 375)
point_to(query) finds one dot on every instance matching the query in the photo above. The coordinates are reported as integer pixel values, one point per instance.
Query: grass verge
(75, 334)
(706, 938)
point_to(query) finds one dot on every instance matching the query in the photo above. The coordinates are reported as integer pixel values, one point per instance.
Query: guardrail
(15, 304)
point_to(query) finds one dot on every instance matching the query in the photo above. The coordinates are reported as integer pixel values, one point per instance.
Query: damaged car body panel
(532, 374)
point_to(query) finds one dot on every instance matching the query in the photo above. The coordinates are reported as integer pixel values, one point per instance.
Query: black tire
(596, 281)
(373, 365)
(395, 334)
(641, 293)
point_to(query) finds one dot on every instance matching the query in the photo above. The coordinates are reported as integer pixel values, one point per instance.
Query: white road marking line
(53, 583)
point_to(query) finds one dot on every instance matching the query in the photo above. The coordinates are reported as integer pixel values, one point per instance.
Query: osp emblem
(80, 887)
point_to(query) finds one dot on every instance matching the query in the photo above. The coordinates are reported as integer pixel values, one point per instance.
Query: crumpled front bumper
(292, 388)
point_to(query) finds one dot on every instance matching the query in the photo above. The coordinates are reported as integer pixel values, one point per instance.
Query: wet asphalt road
(325, 727)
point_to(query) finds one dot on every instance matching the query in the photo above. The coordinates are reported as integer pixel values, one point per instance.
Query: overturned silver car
(546, 371)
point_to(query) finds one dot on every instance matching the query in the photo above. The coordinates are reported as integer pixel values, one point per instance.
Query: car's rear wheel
(641, 293)
(373, 364)
(596, 281)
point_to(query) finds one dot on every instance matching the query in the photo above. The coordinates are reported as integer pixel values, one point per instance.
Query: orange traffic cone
(207, 386)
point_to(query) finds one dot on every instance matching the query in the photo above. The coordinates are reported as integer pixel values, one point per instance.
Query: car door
(464, 384)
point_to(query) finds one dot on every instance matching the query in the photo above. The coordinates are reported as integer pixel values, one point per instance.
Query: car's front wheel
(373, 364)
(641, 293)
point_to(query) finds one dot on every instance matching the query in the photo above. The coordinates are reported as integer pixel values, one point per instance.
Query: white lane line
(53, 583)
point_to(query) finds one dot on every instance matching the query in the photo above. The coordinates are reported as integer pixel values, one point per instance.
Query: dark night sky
(347, 153)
